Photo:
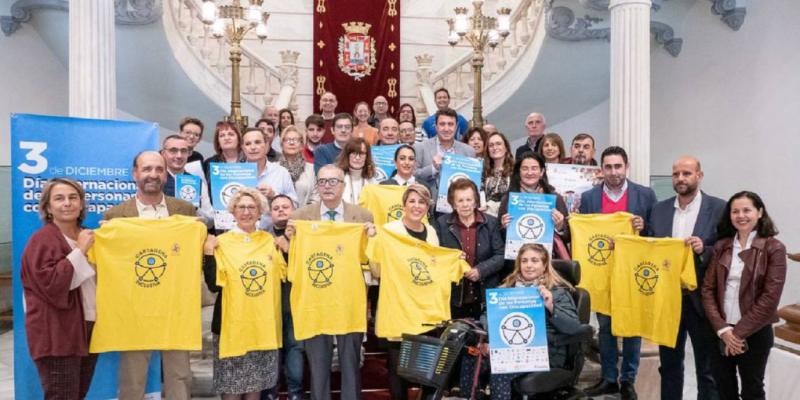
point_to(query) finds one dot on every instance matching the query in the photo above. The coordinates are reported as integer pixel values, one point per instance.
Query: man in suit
(150, 173)
(431, 152)
(319, 349)
(617, 193)
(535, 125)
(175, 150)
(325, 154)
(691, 215)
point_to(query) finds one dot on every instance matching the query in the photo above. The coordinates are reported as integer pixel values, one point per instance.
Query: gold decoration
(357, 55)
(391, 66)
(391, 27)
(392, 90)
(357, 27)
(392, 46)
(392, 8)
(320, 85)
(320, 44)
(320, 6)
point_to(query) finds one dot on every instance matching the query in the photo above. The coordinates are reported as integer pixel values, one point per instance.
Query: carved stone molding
(128, 12)
(665, 35)
(730, 12)
(562, 25)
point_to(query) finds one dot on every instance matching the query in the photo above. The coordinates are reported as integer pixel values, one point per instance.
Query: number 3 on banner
(493, 298)
(39, 163)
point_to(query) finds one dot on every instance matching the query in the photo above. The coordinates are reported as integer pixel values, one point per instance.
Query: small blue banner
(383, 157)
(517, 330)
(188, 188)
(226, 180)
(531, 221)
(454, 167)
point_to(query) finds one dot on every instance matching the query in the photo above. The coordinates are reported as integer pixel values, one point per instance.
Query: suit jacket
(660, 225)
(352, 213)
(425, 150)
(640, 201)
(127, 209)
(324, 155)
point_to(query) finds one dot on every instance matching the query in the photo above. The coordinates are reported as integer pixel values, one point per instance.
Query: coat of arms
(357, 50)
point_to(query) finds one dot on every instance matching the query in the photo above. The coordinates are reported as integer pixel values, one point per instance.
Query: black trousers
(750, 367)
(704, 341)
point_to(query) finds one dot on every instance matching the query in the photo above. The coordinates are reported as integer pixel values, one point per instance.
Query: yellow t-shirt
(329, 295)
(416, 279)
(646, 287)
(385, 202)
(148, 284)
(250, 269)
(592, 235)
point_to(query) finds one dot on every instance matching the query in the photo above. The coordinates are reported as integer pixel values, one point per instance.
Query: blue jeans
(608, 353)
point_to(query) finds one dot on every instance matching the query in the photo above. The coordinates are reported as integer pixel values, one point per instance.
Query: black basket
(427, 360)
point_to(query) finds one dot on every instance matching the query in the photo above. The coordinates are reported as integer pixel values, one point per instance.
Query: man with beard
(617, 193)
(582, 150)
(691, 215)
(150, 174)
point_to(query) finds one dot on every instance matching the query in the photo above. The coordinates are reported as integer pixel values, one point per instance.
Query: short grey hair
(338, 170)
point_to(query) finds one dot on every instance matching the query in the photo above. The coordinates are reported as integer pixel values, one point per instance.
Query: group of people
(319, 173)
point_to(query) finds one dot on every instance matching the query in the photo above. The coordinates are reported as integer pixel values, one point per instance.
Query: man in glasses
(319, 348)
(342, 131)
(191, 129)
(176, 150)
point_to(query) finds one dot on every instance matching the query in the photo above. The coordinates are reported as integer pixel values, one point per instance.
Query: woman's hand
(473, 274)
(85, 240)
(558, 220)
(210, 245)
(733, 345)
(547, 297)
(370, 228)
(505, 220)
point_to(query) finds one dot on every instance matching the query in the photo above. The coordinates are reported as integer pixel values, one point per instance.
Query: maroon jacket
(759, 291)
(54, 314)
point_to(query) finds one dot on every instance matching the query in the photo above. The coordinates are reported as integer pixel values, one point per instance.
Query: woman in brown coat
(59, 293)
(741, 292)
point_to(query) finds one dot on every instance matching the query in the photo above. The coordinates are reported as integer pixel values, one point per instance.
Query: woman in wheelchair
(533, 268)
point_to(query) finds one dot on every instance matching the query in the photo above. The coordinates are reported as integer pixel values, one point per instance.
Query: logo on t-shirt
(420, 275)
(646, 276)
(395, 212)
(254, 277)
(320, 269)
(599, 249)
(149, 267)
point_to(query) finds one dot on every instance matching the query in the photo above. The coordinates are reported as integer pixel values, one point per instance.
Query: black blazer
(489, 249)
(660, 225)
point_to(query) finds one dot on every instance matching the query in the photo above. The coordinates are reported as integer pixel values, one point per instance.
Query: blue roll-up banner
(456, 166)
(383, 157)
(99, 154)
(517, 330)
(531, 221)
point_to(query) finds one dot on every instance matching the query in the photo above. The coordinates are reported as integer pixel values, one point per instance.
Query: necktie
(331, 214)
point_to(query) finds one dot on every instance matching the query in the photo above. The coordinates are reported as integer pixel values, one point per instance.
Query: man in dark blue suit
(342, 131)
(617, 193)
(691, 215)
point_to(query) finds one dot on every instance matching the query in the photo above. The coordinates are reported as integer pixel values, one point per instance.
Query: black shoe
(627, 391)
(602, 387)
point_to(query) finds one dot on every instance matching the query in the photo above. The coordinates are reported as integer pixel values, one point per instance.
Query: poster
(517, 330)
(98, 154)
(226, 180)
(188, 188)
(531, 221)
(454, 167)
(572, 180)
(383, 157)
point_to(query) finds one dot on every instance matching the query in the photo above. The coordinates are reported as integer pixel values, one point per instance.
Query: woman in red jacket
(741, 292)
(59, 293)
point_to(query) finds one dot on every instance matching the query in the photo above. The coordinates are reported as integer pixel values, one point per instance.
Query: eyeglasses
(358, 154)
(328, 181)
(251, 209)
(175, 150)
(193, 134)
(344, 127)
(291, 140)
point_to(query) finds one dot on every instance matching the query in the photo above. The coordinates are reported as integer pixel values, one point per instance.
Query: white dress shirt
(685, 218)
(323, 212)
(731, 301)
(616, 196)
(156, 211)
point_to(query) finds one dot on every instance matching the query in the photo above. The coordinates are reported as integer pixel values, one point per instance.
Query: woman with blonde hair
(301, 171)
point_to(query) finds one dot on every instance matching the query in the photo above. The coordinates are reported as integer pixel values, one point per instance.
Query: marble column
(92, 59)
(629, 97)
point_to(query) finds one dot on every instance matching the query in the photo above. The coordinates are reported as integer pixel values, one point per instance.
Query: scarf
(295, 166)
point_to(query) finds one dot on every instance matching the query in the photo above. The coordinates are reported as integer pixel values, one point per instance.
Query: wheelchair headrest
(569, 270)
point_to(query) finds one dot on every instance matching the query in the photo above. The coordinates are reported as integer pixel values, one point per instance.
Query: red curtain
(357, 51)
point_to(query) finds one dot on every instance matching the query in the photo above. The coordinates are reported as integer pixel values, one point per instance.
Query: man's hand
(638, 223)
(290, 229)
(370, 228)
(266, 190)
(696, 244)
(437, 161)
(473, 274)
(282, 243)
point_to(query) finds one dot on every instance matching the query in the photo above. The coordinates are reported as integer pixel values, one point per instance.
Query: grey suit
(426, 150)
(693, 319)
(319, 349)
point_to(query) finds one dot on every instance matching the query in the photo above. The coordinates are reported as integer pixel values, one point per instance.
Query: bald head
(689, 161)
(149, 173)
(686, 177)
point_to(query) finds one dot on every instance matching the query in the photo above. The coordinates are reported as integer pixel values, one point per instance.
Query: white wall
(732, 99)
(594, 122)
